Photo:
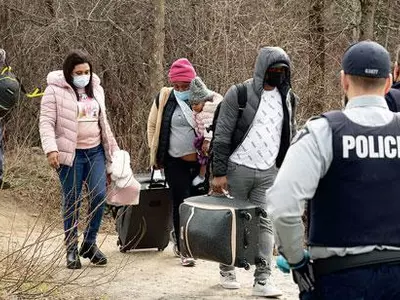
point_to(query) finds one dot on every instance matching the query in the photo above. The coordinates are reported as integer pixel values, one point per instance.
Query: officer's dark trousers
(377, 282)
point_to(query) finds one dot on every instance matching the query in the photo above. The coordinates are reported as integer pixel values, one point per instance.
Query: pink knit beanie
(181, 70)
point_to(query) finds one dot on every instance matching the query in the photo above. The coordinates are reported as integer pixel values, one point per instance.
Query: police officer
(347, 164)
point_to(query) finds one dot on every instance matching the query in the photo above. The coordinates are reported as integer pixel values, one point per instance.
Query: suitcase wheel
(122, 249)
(244, 264)
(160, 249)
(263, 262)
(261, 212)
(246, 215)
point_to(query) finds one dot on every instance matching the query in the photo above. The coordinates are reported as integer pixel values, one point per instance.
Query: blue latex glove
(302, 272)
(282, 264)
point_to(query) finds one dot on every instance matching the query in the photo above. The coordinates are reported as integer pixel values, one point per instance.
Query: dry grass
(32, 255)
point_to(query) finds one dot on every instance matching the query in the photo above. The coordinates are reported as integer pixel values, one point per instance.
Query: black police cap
(366, 59)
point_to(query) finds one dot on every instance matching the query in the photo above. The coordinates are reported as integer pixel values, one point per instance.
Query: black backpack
(242, 101)
(10, 90)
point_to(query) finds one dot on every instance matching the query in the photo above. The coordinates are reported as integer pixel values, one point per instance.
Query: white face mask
(80, 81)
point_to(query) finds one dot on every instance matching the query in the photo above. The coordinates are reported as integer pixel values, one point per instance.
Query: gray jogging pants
(250, 185)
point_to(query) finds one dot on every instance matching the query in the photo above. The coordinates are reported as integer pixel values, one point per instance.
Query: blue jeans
(377, 282)
(90, 167)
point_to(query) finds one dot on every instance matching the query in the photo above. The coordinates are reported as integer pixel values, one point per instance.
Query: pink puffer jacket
(58, 123)
(204, 118)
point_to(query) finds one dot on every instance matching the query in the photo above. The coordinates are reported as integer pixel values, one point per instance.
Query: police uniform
(347, 163)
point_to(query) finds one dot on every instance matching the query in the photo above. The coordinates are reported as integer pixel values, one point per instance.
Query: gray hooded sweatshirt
(231, 132)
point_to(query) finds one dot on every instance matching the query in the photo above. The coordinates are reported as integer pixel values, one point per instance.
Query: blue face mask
(183, 96)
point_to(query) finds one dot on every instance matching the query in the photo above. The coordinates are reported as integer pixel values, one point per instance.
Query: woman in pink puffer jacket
(78, 142)
(204, 102)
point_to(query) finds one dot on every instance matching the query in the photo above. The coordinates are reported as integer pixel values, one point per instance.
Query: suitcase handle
(224, 194)
(156, 184)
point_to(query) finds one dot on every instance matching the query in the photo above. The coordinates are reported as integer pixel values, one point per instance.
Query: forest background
(133, 43)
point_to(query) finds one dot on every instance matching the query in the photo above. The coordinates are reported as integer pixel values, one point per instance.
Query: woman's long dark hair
(77, 57)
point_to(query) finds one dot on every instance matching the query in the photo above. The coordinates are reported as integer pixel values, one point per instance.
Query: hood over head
(57, 78)
(267, 57)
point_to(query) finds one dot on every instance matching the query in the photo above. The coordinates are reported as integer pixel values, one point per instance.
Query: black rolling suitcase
(148, 224)
(220, 229)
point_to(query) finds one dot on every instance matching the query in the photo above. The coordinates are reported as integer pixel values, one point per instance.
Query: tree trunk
(157, 58)
(4, 24)
(389, 22)
(56, 40)
(368, 8)
(316, 81)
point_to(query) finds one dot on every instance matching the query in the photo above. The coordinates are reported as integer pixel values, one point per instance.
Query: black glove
(303, 276)
(302, 272)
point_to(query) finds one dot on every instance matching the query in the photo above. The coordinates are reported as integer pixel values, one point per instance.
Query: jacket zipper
(251, 124)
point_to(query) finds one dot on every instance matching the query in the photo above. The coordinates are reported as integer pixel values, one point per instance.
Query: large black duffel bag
(221, 229)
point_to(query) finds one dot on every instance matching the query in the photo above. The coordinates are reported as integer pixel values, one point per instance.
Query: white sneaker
(228, 280)
(187, 261)
(266, 289)
(198, 180)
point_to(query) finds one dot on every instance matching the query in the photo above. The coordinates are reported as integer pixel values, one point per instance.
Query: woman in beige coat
(171, 135)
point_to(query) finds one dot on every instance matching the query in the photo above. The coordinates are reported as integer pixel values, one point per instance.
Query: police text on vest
(371, 146)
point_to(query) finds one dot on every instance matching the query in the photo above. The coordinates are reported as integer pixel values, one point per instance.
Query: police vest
(357, 203)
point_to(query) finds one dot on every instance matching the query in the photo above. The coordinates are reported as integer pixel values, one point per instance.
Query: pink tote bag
(128, 195)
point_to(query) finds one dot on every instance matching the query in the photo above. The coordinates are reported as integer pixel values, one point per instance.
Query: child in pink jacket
(204, 102)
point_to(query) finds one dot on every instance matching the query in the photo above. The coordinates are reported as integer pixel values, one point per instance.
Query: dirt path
(159, 275)
(137, 275)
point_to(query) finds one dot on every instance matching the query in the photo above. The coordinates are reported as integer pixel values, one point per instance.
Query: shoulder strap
(165, 92)
(7, 69)
(242, 98)
(292, 98)
(335, 118)
(158, 100)
(4, 70)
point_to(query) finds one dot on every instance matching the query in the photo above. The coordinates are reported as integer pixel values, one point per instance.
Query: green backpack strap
(36, 92)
